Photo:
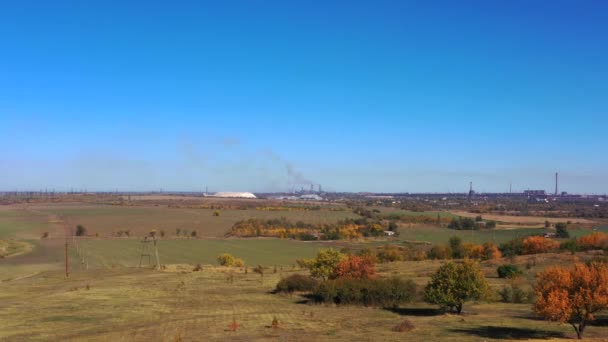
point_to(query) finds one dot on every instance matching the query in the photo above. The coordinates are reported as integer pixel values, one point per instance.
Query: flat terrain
(32, 221)
(523, 220)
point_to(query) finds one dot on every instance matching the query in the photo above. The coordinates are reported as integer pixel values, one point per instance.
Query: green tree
(456, 283)
(561, 230)
(456, 247)
(81, 230)
(324, 265)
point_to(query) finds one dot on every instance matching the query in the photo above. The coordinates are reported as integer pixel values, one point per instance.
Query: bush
(229, 260)
(538, 244)
(81, 230)
(512, 248)
(508, 271)
(597, 240)
(384, 292)
(561, 231)
(570, 245)
(389, 253)
(440, 252)
(513, 294)
(463, 223)
(404, 326)
(296, 283)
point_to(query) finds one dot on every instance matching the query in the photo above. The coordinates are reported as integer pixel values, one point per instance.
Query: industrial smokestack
(556, 184)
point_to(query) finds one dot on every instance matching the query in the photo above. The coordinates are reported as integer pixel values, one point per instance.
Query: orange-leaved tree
(595, 240)
(355, 267)
(539, 244)
(572, 295)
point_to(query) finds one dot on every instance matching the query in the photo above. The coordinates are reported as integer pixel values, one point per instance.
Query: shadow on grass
(599, 322)
(509, 333)
(422, 312)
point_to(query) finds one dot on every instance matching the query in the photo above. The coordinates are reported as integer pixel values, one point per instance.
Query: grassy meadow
(131, 304)
(107, 219)
(113, 299)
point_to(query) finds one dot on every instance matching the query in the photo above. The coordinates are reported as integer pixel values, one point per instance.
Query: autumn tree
(491, 251)
(355, 267)
(572, 295)
(594, 240)
(456, 283)
(538, 244)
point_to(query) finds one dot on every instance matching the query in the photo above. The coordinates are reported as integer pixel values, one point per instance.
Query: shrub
(404, 326)
(296, 283)
(216, 213)
(490, 251)
(514, 294)
(81, 230)
(389, 253)
(45, 235)
(383, 292)
(508, 271)
(440, 252)
(569, 245)
(464, 223)
(229, 260)
(594, 240)
(456, 247)
(561, 231)
(512, 248)
(539, 244)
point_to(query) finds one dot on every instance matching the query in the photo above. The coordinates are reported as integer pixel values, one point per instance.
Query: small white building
(389, 233)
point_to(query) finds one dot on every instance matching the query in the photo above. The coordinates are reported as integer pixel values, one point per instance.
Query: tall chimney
(556, 184)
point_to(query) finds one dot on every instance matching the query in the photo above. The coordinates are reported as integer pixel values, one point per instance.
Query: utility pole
(156, 252)
(67, 259)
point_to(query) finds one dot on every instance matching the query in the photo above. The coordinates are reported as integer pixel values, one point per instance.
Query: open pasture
(139, 220)
(131, 304)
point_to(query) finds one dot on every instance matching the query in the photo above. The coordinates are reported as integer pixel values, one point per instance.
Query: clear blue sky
(260, 95)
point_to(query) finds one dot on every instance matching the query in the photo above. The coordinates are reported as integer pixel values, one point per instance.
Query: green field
(106, 219)
(126, 252)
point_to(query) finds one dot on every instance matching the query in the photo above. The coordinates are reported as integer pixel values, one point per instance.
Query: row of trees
(283, 228)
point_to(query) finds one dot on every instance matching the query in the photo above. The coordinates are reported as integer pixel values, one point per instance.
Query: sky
(383, 96)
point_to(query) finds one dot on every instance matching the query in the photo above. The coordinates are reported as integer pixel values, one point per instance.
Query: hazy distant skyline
(383, 96)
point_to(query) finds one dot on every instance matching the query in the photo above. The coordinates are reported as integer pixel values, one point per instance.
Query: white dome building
(226, 194)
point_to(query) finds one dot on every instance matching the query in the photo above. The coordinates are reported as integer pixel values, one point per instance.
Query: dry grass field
(32, 221)
(115, 300)
(523, 220)
(131, 304)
